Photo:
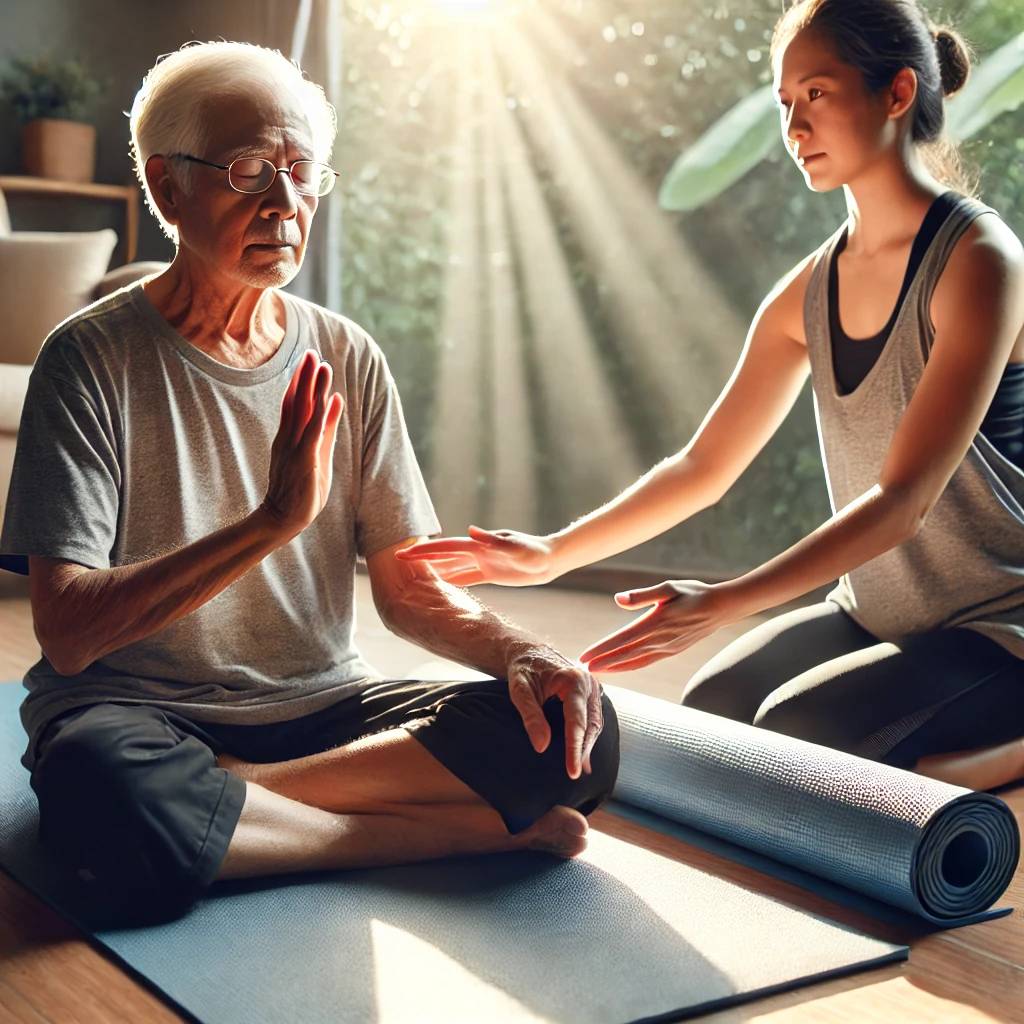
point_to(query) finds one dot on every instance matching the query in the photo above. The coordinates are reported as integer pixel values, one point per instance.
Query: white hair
(169, 111)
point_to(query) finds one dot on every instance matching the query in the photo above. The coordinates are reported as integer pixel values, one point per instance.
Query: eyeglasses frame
(277, 170)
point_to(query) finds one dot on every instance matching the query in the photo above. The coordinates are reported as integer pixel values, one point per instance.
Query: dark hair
(880, 38)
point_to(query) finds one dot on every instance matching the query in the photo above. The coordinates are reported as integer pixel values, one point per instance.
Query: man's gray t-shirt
(134, 443)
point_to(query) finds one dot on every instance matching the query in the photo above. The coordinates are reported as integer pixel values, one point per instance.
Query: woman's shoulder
(786, 301)
(985, 264)
(988, 234)
(984, 273)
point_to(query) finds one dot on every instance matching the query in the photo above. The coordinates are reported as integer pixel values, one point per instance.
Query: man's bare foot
(562, 832)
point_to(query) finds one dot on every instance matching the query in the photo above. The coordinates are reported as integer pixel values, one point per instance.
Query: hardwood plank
(14, 1007)
(50, 971)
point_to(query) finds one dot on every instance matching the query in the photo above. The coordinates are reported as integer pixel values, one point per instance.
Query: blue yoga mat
(620, 934)
(940, 852)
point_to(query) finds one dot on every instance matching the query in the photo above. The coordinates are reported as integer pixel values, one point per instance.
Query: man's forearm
(450, 622)
(96, 611)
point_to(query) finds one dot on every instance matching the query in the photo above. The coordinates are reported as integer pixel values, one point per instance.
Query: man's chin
(263, 272)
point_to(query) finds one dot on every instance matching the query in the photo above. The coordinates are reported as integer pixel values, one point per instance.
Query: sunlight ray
(656, 332)
(514, 493)
(457, 449)
(589, 443)
(680, 272)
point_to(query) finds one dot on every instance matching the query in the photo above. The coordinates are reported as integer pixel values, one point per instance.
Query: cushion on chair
(45, 276)
(13, 385)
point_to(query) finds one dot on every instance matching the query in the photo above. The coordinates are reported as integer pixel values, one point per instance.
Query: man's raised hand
(302, 455)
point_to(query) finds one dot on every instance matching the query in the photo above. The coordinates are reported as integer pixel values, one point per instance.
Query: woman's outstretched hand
(681, 612)
(505, 557)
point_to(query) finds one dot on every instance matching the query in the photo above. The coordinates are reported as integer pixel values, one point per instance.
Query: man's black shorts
(132, 799)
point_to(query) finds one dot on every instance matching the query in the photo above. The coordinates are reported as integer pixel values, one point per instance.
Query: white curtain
(316, 46)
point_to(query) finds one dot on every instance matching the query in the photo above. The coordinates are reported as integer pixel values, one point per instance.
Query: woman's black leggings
(814, 673)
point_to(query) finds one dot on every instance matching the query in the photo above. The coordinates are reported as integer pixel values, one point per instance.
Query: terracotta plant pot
(64, 150)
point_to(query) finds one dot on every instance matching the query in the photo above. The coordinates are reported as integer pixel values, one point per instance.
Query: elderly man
(200, 460)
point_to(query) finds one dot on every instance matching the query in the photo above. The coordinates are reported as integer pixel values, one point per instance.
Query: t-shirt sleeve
(63, 499)
(393, 499)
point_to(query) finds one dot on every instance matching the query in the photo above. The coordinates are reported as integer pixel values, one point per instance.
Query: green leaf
(736, 142)
(996, 85)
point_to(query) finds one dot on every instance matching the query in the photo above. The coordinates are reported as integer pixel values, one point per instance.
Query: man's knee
(81, 757)
(113, 792)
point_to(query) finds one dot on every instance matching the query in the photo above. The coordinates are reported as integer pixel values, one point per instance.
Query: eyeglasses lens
(253, 174)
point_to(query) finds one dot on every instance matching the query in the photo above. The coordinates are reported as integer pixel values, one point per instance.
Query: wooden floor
(50, 973)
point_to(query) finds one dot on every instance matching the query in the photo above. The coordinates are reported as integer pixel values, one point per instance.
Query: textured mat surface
(938, 851)
(619, 935)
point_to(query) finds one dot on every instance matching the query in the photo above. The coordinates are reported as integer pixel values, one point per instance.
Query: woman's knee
(794, 710)
(717, 691)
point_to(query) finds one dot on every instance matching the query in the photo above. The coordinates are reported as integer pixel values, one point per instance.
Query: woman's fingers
(633, 649)
(431, 550)
(629, 664)
(492, 538)
(638, 630)
(449, 567)
(646, 595)
(469, 578)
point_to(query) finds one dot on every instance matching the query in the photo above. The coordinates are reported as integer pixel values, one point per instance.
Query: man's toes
(561, 832)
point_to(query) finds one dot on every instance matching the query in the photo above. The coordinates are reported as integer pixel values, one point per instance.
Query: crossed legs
(379, 800)
(134, 800)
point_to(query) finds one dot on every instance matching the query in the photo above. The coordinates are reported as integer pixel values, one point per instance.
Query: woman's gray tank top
(965, 566)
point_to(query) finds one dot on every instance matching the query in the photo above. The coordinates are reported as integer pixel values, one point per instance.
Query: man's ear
(163, 188)
(902, 92)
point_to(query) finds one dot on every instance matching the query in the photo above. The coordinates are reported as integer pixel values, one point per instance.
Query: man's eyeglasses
(252, 174)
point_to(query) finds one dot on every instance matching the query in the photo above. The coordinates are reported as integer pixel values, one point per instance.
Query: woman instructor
(909, 321)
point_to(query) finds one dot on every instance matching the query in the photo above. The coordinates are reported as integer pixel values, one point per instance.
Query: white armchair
(44, 278)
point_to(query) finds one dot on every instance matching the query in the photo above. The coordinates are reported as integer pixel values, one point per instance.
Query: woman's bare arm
(763, 387)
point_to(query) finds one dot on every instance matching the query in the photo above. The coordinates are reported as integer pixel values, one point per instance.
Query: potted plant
(49, 99)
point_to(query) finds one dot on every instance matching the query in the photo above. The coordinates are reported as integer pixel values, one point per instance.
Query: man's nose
(281, 199)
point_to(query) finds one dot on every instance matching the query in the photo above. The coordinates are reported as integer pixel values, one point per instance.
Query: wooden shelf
(128, 194)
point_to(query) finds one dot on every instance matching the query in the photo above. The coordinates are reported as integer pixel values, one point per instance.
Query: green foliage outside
(656, 75)
(47, 88)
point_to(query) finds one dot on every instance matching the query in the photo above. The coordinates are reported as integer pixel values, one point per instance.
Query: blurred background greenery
(502, 242)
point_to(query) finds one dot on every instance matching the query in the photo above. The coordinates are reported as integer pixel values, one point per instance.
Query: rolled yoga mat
(620, 934)
(941, 852)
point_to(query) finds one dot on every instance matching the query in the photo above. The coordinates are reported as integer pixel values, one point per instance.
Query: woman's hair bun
(954, 60)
